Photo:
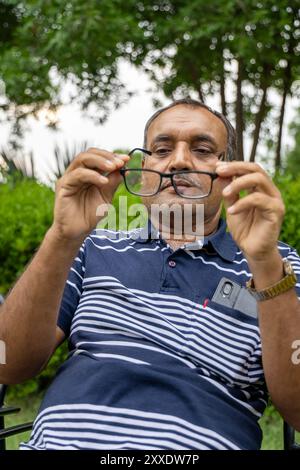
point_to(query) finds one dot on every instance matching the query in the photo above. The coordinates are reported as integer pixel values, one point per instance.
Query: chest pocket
(226, 338)
(233, 295)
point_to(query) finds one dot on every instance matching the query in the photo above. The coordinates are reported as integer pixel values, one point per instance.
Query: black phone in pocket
(231, 294)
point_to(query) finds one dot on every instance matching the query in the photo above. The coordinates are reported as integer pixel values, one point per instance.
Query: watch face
(288, 268)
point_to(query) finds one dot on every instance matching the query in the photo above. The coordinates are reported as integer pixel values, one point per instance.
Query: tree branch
(259, 117)
(239, 111)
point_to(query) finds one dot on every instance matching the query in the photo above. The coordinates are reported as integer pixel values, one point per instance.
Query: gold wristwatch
(286, 283)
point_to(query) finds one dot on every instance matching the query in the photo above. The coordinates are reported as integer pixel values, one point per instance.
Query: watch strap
(286, 283)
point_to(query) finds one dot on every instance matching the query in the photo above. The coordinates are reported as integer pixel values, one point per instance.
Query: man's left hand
(255, 219)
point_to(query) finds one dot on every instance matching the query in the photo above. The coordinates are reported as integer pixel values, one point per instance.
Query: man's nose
(180, 159)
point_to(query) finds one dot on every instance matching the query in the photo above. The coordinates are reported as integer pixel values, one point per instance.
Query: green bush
(26, 212)
(289, 187)
(26, 209)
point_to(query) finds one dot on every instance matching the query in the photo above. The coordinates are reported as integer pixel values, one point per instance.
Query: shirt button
(172, 264)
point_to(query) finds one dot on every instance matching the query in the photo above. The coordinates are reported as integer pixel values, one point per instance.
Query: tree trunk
(222, 89)
(281, 118)
(239, 115)
(200, 94)
(286, 87)
(258, 121)
(198, 86)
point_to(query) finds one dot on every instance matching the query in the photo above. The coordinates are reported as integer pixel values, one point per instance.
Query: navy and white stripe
(151, 366)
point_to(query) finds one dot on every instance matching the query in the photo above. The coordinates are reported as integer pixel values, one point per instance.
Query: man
(161, 354)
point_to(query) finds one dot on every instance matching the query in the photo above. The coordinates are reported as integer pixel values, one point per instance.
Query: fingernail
(222, 166)
(227, 190)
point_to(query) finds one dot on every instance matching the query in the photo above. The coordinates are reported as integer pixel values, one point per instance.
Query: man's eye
(203, 151)
(162, 152)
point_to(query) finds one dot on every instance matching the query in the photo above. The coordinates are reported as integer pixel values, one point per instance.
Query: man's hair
(231, 134)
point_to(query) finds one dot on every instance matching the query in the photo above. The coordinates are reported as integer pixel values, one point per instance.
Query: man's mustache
(184, 180)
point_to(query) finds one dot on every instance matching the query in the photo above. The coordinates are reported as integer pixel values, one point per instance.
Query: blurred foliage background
(246, 52)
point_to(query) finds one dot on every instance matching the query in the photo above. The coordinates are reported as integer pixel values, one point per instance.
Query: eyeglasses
(187, 184)
(190, 184)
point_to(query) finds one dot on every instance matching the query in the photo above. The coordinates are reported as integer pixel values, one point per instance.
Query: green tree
(292, 158)
(187, 47)
(59, 40)
(198, 46)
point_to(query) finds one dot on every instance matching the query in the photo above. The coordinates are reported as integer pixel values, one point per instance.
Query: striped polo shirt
(156, 361)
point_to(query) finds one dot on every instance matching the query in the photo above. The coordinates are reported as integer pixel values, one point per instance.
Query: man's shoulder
(291, 254)
(285, 249)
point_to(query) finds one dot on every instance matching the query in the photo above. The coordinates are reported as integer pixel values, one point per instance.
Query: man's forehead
(183, 119)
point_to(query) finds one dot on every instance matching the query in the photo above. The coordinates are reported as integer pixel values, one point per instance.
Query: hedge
(26, 209)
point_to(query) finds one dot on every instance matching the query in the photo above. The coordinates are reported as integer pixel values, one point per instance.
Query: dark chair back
(6, 410)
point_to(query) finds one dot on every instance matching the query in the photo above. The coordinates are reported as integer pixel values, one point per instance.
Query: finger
(98, 155)
(258, 201)
(82, 176)
(251, 182)
(114, 179)
(230, 199)
(101, 164)
(105, 153)
(112, 156)
(93, 161)
(238, 168)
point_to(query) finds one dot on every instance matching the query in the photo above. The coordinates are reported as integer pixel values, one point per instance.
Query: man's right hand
(28, 317)
(82, 189)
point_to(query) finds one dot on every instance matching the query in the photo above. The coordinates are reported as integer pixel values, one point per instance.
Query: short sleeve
(72, 292)
(294, 258)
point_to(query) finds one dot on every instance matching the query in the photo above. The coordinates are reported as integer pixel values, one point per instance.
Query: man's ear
(143, 162)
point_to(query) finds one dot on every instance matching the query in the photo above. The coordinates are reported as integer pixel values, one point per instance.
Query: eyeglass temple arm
(148, 152)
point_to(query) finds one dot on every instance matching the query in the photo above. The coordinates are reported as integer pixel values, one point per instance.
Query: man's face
(185, 133)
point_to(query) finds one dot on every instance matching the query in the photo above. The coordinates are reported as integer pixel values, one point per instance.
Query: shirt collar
(221, 241)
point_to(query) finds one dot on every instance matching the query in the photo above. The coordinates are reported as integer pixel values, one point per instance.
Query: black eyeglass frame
(213, 176)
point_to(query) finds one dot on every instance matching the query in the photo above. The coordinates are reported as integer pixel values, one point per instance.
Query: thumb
(114, 179)
(230, 200)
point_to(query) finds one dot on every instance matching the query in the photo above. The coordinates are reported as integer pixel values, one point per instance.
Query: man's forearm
(279, 321)
(29, 315)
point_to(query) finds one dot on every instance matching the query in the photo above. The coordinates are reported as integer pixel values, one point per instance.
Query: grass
(29, 408)
(271, 424)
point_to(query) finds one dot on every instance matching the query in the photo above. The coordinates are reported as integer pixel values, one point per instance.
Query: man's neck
(175, 242)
